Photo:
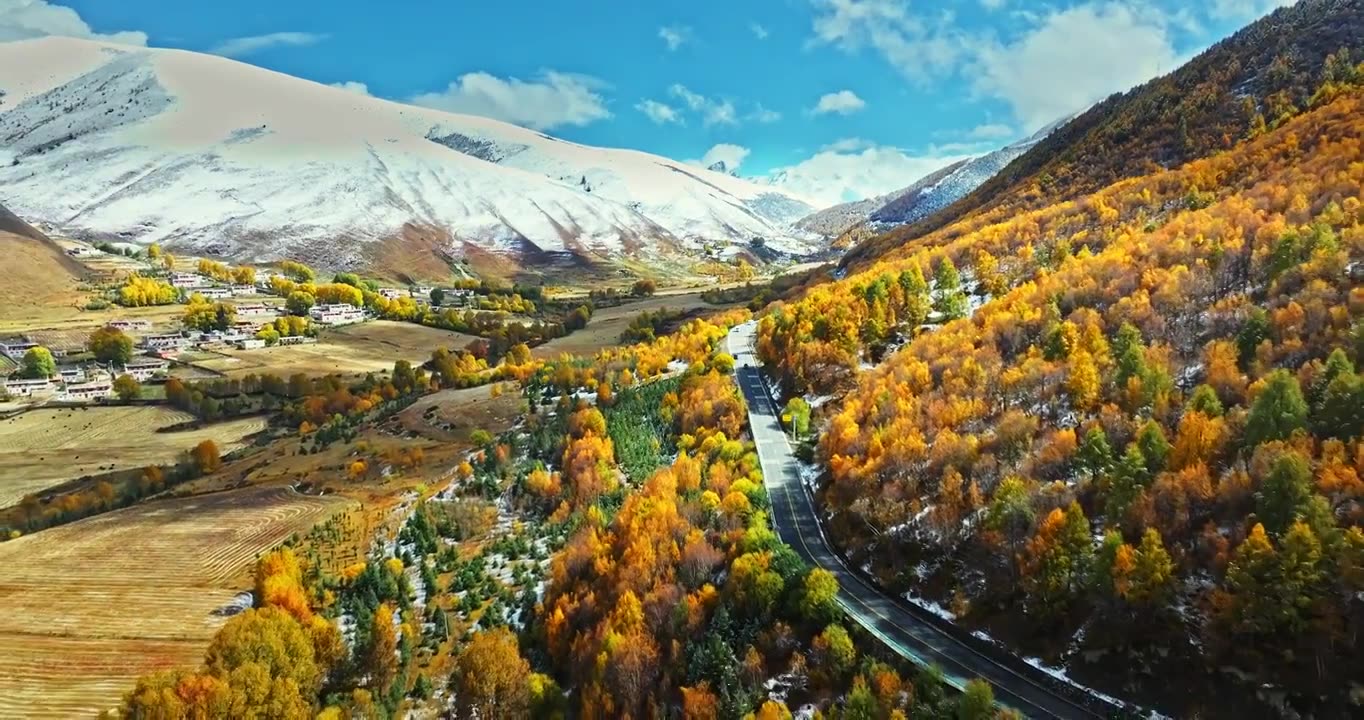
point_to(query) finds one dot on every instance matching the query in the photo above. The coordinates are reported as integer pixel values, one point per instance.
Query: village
(77, 376)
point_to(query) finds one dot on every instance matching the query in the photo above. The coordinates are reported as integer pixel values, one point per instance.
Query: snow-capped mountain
(926, 196)
(834, 221)
(210, 155)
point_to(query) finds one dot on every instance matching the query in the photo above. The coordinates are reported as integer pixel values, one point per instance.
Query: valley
(327, 394)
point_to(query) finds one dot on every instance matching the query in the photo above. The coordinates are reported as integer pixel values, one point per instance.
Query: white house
(339, 314)
(421, 291)
(15, 348)
(71, 373)
(296, 340)
(255, 311)
(26, 387)
(250, 344)
(188, 280)
(145, 368)
(391, 293)
(243, 289)
(130, 324)
(165, 342)
(212, 293)
(88, 391)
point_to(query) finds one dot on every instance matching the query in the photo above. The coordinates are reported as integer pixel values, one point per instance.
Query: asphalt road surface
(892, 622)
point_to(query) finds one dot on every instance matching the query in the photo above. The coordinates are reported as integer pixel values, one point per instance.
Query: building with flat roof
(25, 387)
(340, 314)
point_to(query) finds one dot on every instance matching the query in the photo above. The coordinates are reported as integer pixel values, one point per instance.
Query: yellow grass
(459, 412)
(92, 605)
(46, 447)
(350, 350)
(606, 325)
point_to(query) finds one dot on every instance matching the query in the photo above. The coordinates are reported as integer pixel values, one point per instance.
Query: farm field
(140, 589)
(45, 447)
(606, 325)
(451, 415)
(70, 319)
(350, 350)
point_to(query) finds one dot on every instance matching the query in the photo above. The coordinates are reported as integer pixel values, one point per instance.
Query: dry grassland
(92, 605)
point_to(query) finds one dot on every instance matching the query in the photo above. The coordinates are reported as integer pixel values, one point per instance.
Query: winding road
(907, 630)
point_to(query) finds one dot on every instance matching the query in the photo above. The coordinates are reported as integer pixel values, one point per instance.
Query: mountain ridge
(207, 154)
(922, 198)
(1199, 109)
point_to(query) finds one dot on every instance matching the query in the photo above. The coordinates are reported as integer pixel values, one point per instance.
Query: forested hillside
(1235, 89)
(1144, 445)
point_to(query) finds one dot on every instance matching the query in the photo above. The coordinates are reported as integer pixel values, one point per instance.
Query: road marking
(937, 633)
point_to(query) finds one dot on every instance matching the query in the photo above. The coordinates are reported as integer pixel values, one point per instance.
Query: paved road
(895, 624)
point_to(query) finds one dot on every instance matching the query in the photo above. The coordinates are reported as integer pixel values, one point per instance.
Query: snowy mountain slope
(204, 153)
(927, 195)
(955, 185)
(831, 222)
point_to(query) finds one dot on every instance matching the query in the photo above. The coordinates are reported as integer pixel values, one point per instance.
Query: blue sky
(845, 97)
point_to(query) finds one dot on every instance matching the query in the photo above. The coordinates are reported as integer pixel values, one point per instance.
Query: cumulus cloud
(763, 115)
(758, 31)
(24, 19)
(1050, 63)
(1073, 58)
(853, 169)
(711, 110)
(237, 47)
(660, 113)
(553, 100)
(921, 48)
(731, 155)
(843, 102)
(846, 145)
(355, 87)
(990, 131)
(674, 36)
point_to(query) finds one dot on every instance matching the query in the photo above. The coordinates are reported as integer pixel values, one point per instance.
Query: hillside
(1255, 77)
(208, 155)
(834, 221)
(39, 275)
(1122, 432)
(852, 222)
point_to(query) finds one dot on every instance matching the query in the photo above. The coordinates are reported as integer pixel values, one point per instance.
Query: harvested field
(46, 447)
(451, 415)
(139, 589)
(351, 350)
(608, 323)
(68, 318)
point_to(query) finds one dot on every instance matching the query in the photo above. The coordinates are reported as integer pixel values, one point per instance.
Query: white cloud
(351, 85)
(992, 4)
(847, 145)
(24, 19)
(763, 115)
(553, 100)
(758, 31)
(843, 102)
(731, 155)
(1072, 59)
(922, 49)
(674, 36)
(660, 113)
(237, 47)
(852, 169)
(990, 131)
(712, 111)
